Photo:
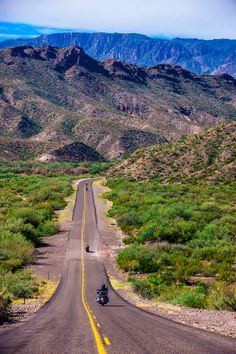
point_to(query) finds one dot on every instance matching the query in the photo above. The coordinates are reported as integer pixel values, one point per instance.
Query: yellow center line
(100, 346)
(106, 340)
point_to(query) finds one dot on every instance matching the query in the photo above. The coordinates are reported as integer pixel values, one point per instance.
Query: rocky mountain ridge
(60, 96)
(197, 55)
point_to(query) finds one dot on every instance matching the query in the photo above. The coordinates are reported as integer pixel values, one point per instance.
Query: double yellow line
(100, 346)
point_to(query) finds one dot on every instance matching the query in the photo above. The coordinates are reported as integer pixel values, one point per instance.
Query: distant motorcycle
(86, 186)
(87, 248)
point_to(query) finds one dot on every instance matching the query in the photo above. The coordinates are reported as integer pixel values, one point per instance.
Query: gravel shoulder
(223, 322)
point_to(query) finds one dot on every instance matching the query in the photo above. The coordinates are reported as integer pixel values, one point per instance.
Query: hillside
(210, 156)
(52, 97)
(197, 55)
(12, 149)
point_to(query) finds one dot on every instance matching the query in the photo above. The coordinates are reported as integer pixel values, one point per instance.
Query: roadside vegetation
(30, 192)
(56, 168)
(180, 241)
(27, 205)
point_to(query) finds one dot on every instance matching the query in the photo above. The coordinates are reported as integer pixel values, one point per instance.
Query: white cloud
(186, 18)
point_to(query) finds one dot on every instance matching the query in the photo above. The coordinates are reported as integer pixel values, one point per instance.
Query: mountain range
(58, 103)
(197, 55)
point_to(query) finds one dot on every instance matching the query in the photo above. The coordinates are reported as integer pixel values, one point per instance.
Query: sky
(205, 19)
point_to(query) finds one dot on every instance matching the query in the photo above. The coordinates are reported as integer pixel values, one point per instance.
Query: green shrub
(222, 296)
(226, 273)
(15, 250)
(191, 297)
(148, 232)
(56, 204)
(20, 284)
(5, 303)
(48, 228)
(144, 288)
(127, 260)
(210, 235)
(28, 215)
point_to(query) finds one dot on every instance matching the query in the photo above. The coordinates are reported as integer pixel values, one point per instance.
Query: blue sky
(170, 18)
(19, 30)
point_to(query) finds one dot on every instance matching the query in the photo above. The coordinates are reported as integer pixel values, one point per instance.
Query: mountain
(209, 156)
(12, 149)
(199, 56)
(53, 97)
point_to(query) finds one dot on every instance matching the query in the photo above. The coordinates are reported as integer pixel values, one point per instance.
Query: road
(72, 322)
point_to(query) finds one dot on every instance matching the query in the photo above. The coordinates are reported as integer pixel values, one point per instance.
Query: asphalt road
(72, 322)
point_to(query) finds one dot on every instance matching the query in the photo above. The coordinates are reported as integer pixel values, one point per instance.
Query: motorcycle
(87, 248)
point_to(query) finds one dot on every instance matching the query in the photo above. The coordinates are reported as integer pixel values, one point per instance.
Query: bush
(127, 260)
(210, 235)
(144, 288)
(28, 215)
(15, 250)
(148, 232)
(5, 303)
(20, 284)
(48, 228)
(191, 297)
(222, 296)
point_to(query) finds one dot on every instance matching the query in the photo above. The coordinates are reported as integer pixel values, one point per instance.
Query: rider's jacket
(102, 291)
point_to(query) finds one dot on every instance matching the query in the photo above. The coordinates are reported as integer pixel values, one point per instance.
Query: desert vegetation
(55, 168)
(27, 205)
(180, 241)
(30, 192)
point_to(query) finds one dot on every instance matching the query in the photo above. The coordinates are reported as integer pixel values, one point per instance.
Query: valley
(117, 177)
(163, 140)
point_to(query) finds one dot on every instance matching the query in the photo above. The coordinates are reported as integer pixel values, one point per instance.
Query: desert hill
(209, 156)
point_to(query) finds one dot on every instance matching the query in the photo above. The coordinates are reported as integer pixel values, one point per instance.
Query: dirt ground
(223, 322)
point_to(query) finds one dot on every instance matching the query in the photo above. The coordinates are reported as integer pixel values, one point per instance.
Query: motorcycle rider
(102, 290)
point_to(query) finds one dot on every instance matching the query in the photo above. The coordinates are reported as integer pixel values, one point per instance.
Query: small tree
(23, 290)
